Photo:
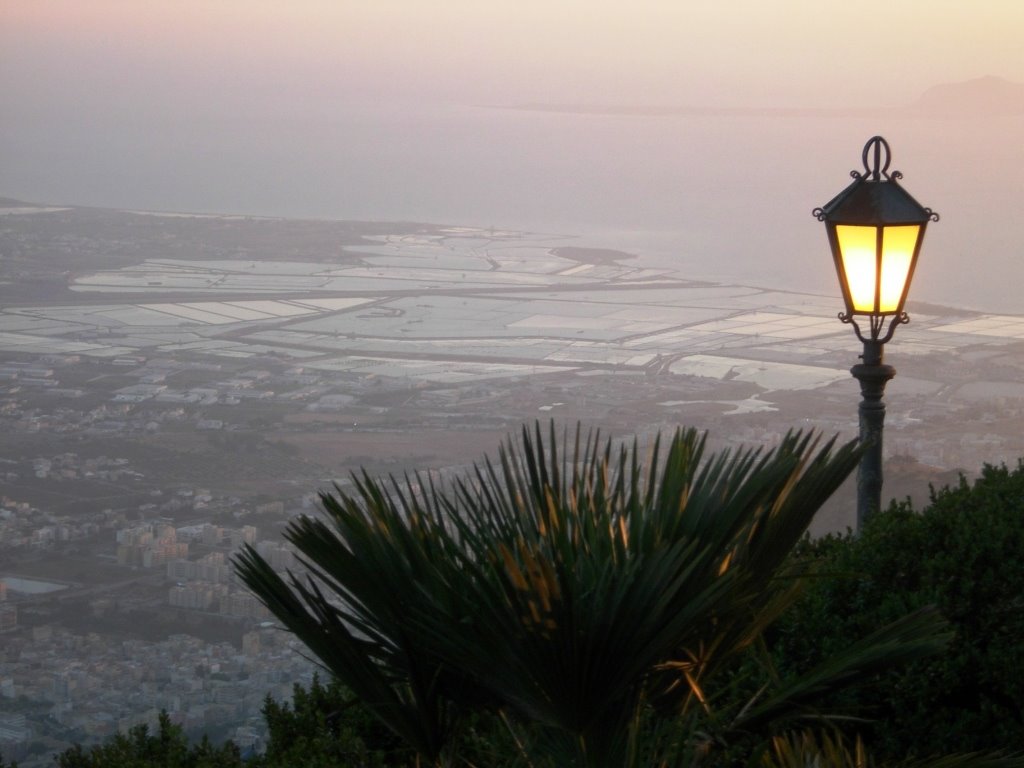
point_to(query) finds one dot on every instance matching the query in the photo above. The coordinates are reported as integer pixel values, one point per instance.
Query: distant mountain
(10, 202)
(980, 96)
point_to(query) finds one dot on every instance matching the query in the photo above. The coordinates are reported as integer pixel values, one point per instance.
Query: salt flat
(470, 303)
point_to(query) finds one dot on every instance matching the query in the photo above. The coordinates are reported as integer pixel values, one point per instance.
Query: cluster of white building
(92, 687)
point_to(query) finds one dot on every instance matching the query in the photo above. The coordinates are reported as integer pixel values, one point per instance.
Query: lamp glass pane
(897, 252)
(857, 248)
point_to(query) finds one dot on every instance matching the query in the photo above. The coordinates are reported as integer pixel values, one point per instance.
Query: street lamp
(875, 229)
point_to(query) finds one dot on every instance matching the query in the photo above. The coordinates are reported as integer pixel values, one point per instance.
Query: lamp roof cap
(875, 198)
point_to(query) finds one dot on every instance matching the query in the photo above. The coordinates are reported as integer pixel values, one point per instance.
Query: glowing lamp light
(875, 229)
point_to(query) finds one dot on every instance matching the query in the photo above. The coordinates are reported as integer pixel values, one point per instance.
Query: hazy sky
(381, 109)
(222, 54)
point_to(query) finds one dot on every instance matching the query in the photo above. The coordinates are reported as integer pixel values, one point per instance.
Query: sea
(724, 196)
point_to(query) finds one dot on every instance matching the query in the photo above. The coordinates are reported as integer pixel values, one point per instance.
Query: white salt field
(18, 210)
(749, 405)
(517, 347)
(179, 215)
(217, 267)
(452, 261)
(769, 376)
(577, 269)
(669, 292)
(31, 586)
(578, 353)
(187, 312)
(158, 339)
(1001, 326)
(472, 303)
(562, 323)
(780, 326)
(408, 260)
(438, 372)
(42, 345)
(331, 304)
(229, 310)
(10, 321)
(674, 339)
(143, 317)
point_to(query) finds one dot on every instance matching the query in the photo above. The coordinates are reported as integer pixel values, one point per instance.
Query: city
(187, 384)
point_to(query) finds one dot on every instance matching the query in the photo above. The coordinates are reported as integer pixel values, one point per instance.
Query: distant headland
(987, 96)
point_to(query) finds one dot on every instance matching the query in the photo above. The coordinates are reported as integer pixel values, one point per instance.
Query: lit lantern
(875, 229)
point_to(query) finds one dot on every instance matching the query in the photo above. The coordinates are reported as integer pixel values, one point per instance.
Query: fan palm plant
(587, 592)
(809, 750)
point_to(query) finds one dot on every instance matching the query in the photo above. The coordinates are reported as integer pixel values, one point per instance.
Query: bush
(167, 748)
(965, 553)
(595, 598)
(324, 727)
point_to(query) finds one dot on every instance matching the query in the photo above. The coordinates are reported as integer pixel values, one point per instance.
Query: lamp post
(875, 229)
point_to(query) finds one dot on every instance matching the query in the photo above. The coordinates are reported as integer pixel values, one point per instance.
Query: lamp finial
(877, 148)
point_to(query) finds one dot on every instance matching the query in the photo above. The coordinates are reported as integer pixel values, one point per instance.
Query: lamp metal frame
(874, 199)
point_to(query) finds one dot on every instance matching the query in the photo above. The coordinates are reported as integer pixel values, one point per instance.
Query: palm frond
(568, 582)
(810, 749)
(912, 637)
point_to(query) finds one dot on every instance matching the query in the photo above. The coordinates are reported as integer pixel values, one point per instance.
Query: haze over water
(338, 111)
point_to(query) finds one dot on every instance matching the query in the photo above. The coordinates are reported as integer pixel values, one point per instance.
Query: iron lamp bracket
(876, 324)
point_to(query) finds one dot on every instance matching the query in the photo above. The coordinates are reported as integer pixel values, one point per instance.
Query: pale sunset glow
(253, 250)
(655, 125)
(652, 51)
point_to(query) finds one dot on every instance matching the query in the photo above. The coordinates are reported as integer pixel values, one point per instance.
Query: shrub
(595, 600)
(167, 748)
(964, 553)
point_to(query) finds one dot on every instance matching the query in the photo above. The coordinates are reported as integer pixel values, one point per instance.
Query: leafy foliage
(594, 601)
(323, 727)
(809, 750)
(531, 566)
(167, 748)
(965, 553)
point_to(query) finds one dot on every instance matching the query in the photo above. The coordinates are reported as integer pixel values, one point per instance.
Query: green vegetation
(167, 748)
(607, 610)
(964, 553)
(323, 728)
(611, 611)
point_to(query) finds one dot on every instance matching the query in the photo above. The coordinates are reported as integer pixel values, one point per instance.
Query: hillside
(989, 95)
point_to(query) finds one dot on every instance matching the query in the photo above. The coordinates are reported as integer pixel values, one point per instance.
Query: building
(8, 617)
(149, 545)
(196, 595)
(14, 735)
(243, 604)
